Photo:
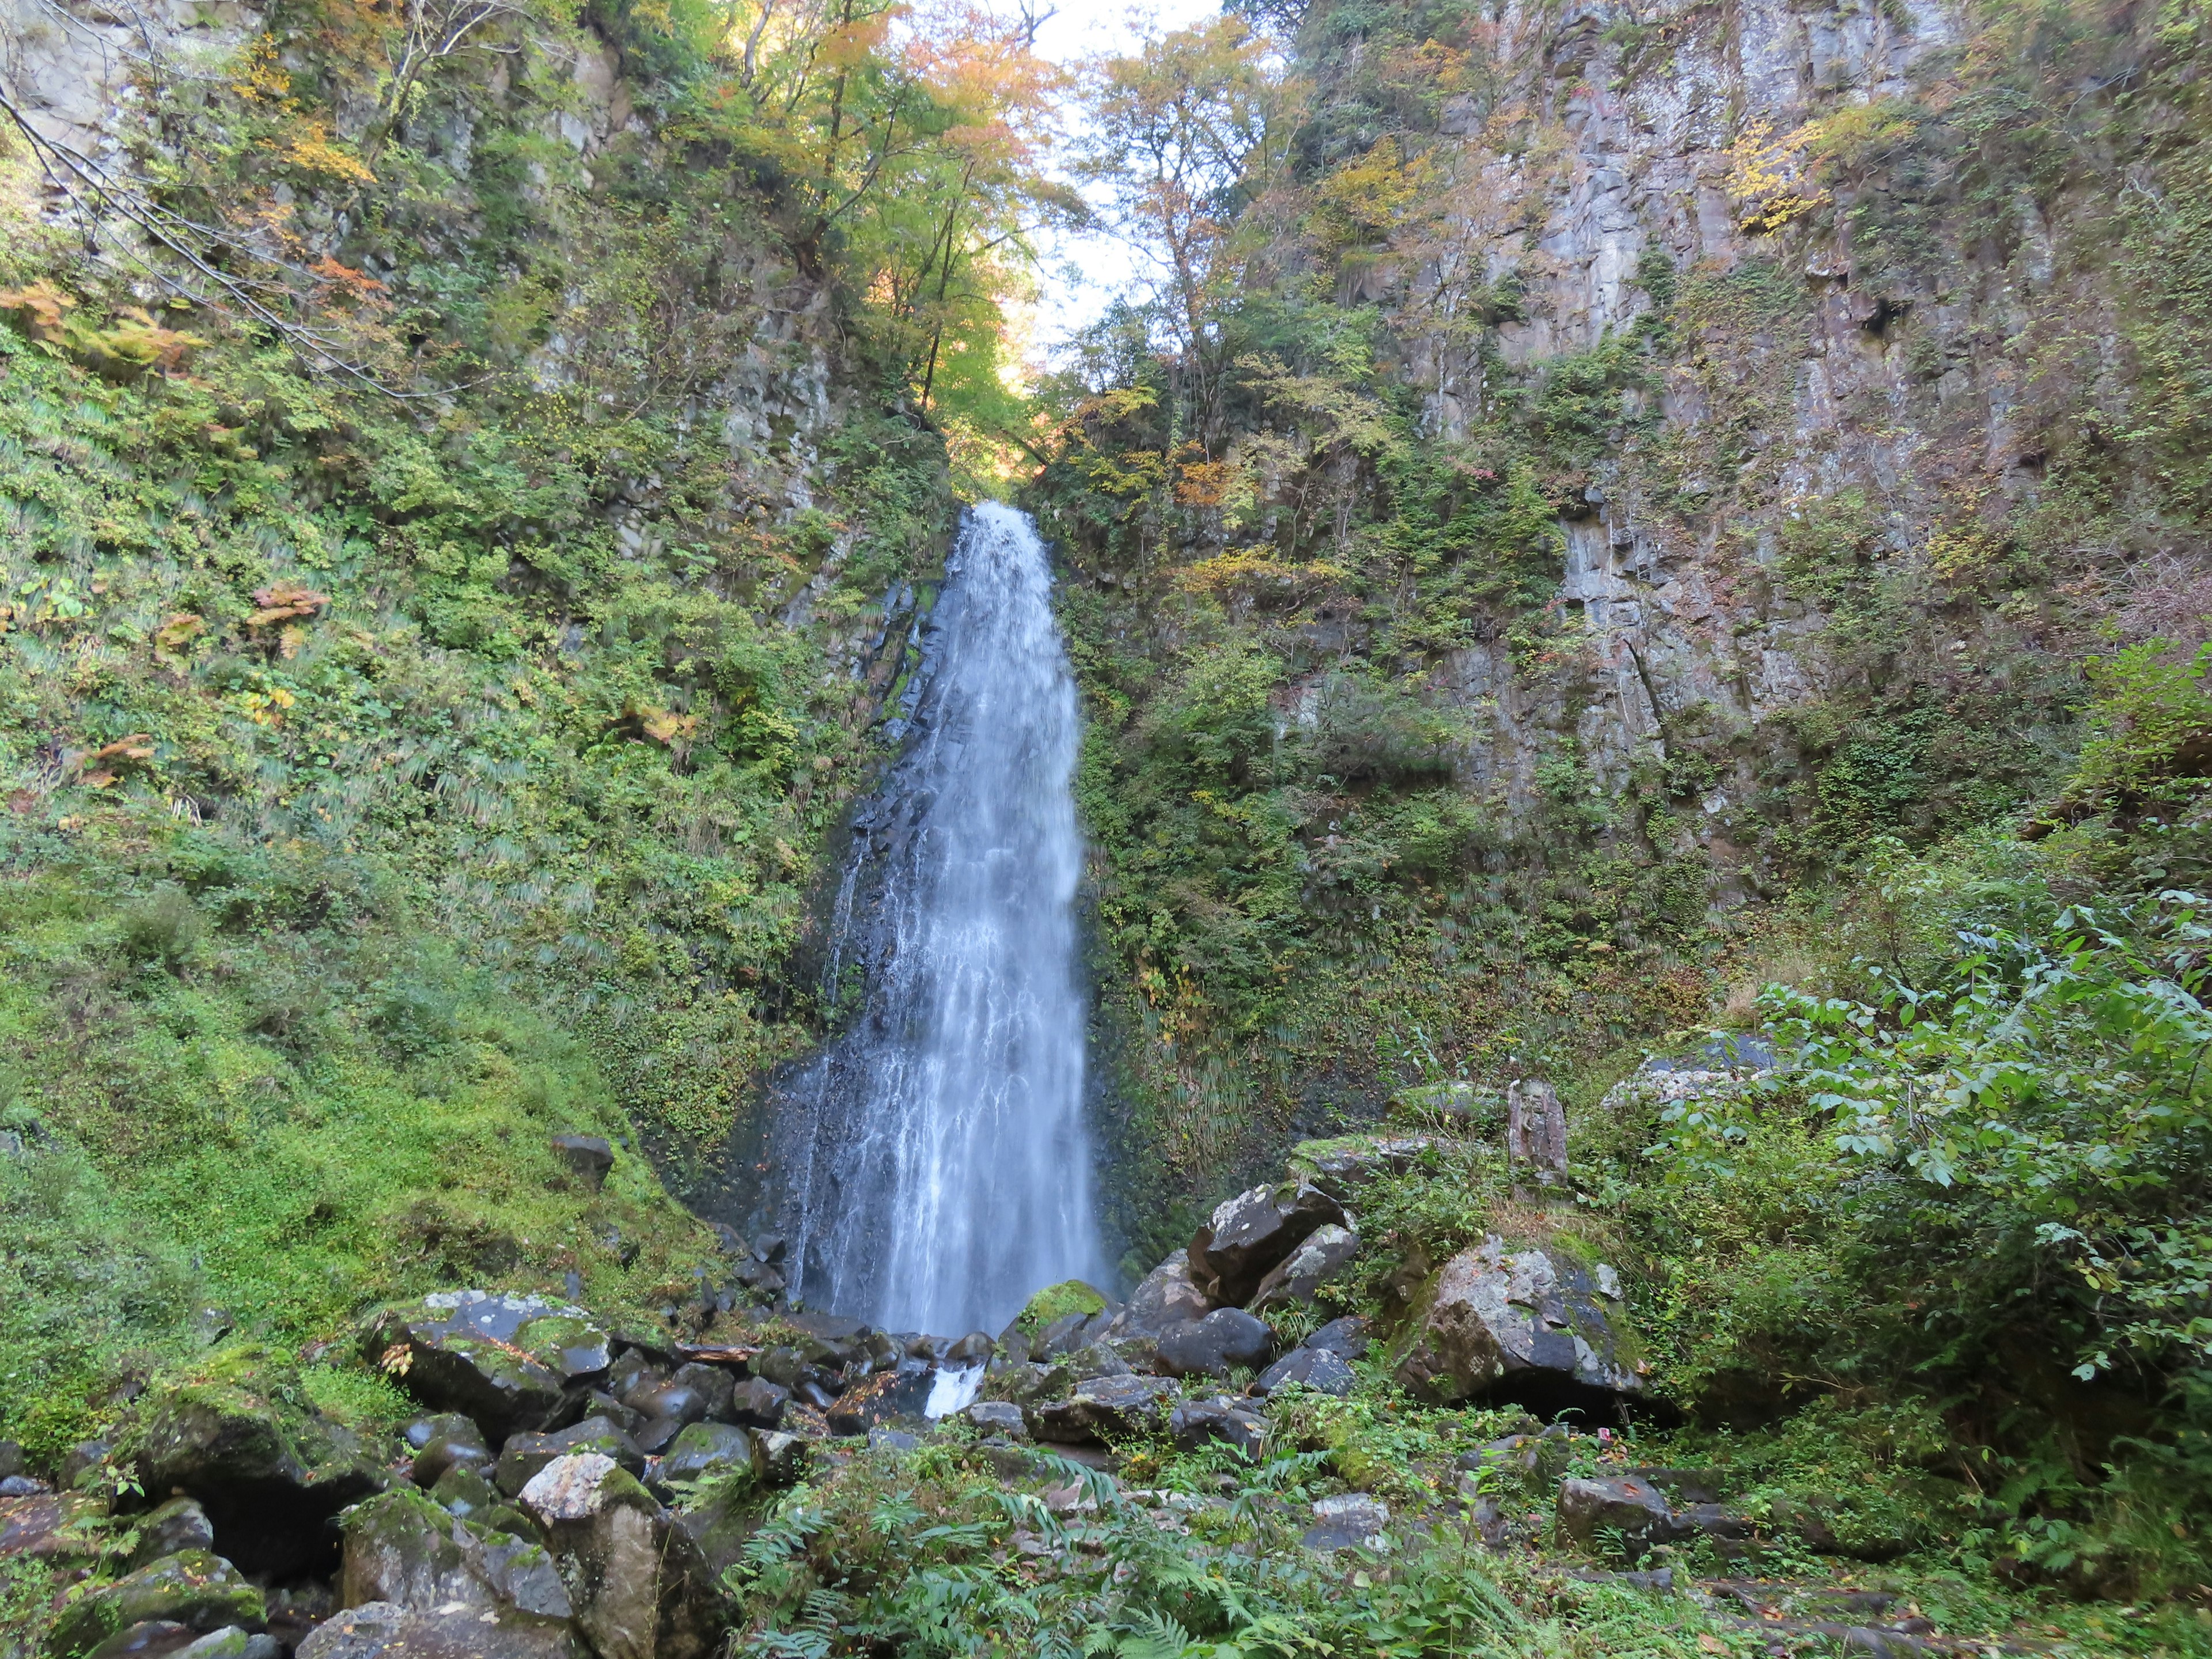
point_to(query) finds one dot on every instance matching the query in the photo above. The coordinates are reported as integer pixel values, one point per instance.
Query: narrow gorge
(847, 828)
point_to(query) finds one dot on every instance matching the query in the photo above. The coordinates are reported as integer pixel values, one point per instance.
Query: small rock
(1104, 1406)
(1637, 1510)
(1311, 1368)
(588, 1155)
(1194, 1422)
(1292, 1281)
(21, 1486)
(85, 1455)
(706, 1449)
(1247, 1234)
(1226, 1338)
(889, 1397)
(524, 1454)
(463, 1492)
(896, 1440)
(758, 1403)
(1346, 1338)
(997, 1416)
(179, 1524)
(444, 1442)
(1351, 1521)
(782, 1457)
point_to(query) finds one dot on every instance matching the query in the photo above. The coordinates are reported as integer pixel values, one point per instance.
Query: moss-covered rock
(1530, 1323)
(192, 1588)
(505, 1361)
(237, 1434)
(1056, 1302)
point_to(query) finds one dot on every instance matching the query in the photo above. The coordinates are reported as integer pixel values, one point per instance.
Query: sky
(1081, 274)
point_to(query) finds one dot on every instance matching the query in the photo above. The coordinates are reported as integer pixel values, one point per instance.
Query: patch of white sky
(1081, 272)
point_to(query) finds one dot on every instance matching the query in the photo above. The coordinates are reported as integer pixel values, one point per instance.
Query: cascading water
(934, 1157)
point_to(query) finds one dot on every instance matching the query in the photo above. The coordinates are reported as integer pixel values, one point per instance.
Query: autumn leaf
(282, 601)
(179, 631)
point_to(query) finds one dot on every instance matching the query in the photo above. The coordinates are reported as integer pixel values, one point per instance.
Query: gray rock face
(997, 1416)
(1342, 1166)
(1327, 1250)
(1104, 1406)
(1248, 1234)
(381, 1631)
(1168, 1297)
(1224, 1339)
(1307, 1367)
(1525, 1323)
(1346, 1338)
(179, 1524)
(639, 1585)
(506, 1362)
(1536, 1132)
(402, 1549)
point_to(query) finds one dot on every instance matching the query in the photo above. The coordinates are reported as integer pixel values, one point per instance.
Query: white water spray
(946, 1172)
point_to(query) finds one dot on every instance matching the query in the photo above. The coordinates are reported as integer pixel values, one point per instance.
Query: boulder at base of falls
(1346, 1338)
(1103, 1407)
(1226, 1339)
(1293, 1280)
(758, 1403)
(403, 1549)
(1168, 1297)
(640, 1587)
(508, 1361)
(706, 1449)
(880, 1401)
(1638, 1511)
(382, 1631)
(270, 1475)
(200, 1591)
(1248, 1234)
(1530, 1324)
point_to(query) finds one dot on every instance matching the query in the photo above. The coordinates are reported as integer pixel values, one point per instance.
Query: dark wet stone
(1194, 1422)
(1103, 1407)
(524, 1454)
(447, 1441)
(1226, 1339)
(1346, 1338)
(1313, 1368)
(588, 1155)
(758, 1403)
(1249, 1234)
(507, 1361)
(706, 1449)
(891, 1397)
(193, 1588)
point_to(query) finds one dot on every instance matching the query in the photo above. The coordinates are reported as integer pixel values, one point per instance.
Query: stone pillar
(1535, 1135)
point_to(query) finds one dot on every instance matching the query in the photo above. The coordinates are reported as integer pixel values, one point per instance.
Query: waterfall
(935, 1165)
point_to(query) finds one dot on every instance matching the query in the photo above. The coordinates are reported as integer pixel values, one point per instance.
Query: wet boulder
(1530, 1324)
(1346, 1338)
(1247, 1234)
(1226, 1339)
(758, 1403)
(382, 1631)
(640, 1587)
(1167, 1297)
(886, 1398)
(1104, 1408)
(973, 1349)
(164, 1638)
(706, 1449)
(447, 1441)
(200, 1591)
(508, 1361)
(269, 1475)
(997, 1416)
(1293, 1281)
(1317, 1369)
(172, 1528)
(403, 1549)
(50, 1526)
(781, 1458)
(1194, 1422)
(524, 1454)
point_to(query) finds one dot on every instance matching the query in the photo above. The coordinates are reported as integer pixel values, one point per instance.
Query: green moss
(1070, 1296)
